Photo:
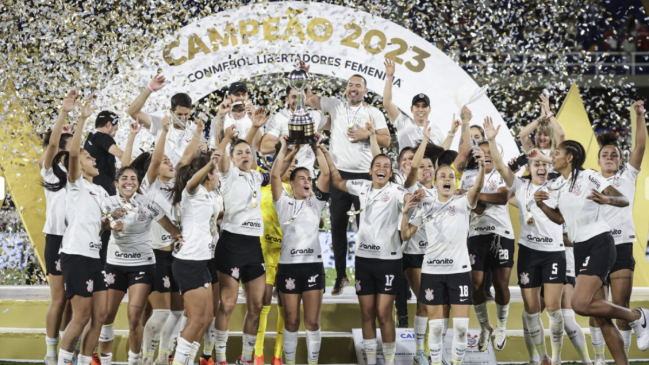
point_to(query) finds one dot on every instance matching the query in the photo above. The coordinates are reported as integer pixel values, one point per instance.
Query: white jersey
(218, 208)
(278, 126)
(495, 218)
(242, 125)
(399, 178)
(241, 200)
(348, 156)
(160, 193)
(620, 219)
(447, 227)
(197, 225)
(542, 234)
(583, 217)
(418, 243)
(177, 139)
(83, 212)
(378, 236)
(54, 204)
(300, 238)
(409, 134)
(133, 246)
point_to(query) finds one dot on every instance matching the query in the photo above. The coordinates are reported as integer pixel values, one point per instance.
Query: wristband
(389, 78)
(150, 88)
(451, 135)
(549, 117)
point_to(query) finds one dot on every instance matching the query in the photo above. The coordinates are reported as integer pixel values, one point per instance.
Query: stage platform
(23, 308)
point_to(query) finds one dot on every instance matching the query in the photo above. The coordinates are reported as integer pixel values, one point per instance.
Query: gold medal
(290, 221)
(530, 221)
(254, 204)
(113, 224)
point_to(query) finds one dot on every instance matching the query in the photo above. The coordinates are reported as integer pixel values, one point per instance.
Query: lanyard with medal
(295, 213)
(352, 123)
(429, 217)
(251, 184)
(528, 199)
(351, 213)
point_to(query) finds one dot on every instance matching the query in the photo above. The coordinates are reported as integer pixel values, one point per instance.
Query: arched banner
(336, 41)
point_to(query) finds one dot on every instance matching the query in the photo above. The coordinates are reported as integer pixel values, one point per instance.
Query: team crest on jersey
(235, 272)
(385, 196)
(358, 285)
(492, 185)
(309, 153)
(472, 258)
(58, 265)
(576, 190)
(452, 212)
(308, 202)
(525, 278)
(91, 285)
(429, 294)
(290, 284)
(141, 215)
(110, 278)
(615, 182)
(165, 282)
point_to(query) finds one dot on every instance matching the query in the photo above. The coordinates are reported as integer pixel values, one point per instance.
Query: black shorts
(298, 278)
(163, 278)
(52, 256)
(211, 266)
(105, 237)
(536, 268)
(190, 274)
(82, 275)
(412, 261)
(596, 256)
(440, 289)
(569, 280)
(119, 277)
(624, 258)
(376, 276)
(239, 256)
(485, 254)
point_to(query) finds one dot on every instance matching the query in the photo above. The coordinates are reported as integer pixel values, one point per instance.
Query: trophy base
(301, 134)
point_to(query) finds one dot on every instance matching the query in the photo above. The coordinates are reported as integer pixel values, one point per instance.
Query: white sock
(556, 334)
(535, 327)
(84, 360)
(168, 336)
(151, 333)
(52, 344)
(446, 321)
(209, 338)
(182, 351)
(290, 346)
(503, 312)
(389, 349)
(421, 325)
(248, 346)
(193, 350)
(65, 358)
(313, 341)
(482, 314)
(107, 333)
(176, 332)
(576, 335)
(626, 338)
(183, 323)
(435, 344)
(529, 343)
(106, 359)
(221, 345)
(133, 359)
(460, 328)
(597, 339)
(370, 350)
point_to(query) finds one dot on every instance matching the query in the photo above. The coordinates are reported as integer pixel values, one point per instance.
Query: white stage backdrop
(266, 38)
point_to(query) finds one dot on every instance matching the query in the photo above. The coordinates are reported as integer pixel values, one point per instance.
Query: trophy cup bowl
(301, 128)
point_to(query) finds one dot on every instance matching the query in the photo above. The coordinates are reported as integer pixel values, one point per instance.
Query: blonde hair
(548, 131)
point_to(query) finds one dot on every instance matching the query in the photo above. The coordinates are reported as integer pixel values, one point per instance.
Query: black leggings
(341, 202)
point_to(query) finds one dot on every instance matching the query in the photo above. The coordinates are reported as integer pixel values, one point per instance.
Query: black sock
(206, 357)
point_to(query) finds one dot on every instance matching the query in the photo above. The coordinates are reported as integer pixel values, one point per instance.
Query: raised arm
(637, 153)
(449, 137)
(134, 129)
(159, 153)
(199, 176)
(224, 163)
(337, 181)
(536, 155)
(464, 148)
(411, 179)
(135, 109)
(325, 174)
(553, 214)
(74, 165)
(559, 134)
(407, 229)
(192, 147)
(525, 133)
(474, 192)
(374, 144)
(393, 111)
(68, 105)
(276, 172)
(496, 159)
(258, 120)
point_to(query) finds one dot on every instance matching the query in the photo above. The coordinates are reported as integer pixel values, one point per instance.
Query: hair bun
(607, 138)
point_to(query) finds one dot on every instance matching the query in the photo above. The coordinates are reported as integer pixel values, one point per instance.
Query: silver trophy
(301, 128)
